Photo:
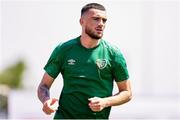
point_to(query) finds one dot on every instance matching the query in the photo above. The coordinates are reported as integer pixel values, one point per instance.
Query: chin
(95, 36)
(100, 36)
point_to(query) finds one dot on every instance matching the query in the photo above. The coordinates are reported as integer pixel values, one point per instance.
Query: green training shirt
(86, 73)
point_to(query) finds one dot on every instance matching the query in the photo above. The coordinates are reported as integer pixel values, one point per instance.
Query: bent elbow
(130, 96)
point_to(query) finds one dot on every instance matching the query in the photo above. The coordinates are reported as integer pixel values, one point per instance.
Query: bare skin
(93, 24)
(124, 95)
(44, 95)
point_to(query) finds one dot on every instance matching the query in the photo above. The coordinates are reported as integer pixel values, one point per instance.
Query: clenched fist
(97, 104)
(50, 106)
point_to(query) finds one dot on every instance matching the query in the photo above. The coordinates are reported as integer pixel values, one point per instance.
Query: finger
(94, 105)
(93, 98)
(51, 107)
(95, 109)
(54, 100)
(55, 106)
(94, 102)
(47, 110)
(48, 103)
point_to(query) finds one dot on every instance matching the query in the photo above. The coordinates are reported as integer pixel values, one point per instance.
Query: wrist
(107, 103)
(44, 100)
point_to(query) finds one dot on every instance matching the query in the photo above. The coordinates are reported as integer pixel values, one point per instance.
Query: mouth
(99, 29)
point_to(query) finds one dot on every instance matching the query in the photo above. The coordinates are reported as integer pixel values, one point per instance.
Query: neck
(88, 42)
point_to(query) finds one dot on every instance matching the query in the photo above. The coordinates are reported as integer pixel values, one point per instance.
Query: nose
(101, 22)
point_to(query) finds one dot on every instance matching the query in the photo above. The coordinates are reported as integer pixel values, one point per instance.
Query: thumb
(54, 100)
(93, 98)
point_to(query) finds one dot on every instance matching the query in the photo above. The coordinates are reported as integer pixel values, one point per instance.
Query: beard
(92, 34)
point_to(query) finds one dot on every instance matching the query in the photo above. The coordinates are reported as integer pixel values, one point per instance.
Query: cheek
(91, 23)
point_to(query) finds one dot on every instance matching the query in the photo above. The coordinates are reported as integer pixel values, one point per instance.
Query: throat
(89, 43)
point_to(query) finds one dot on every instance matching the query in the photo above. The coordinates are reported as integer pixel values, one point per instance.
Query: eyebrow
(103, 18)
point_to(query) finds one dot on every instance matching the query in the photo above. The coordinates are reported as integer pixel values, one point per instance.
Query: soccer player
(89, 65)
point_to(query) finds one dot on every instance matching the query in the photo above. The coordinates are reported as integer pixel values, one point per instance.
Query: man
(89, 65)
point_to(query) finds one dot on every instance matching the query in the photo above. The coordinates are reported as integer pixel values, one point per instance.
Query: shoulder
(67, 45)
(113, 49)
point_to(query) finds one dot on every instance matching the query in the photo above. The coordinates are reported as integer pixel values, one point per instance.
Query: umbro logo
(71, 62)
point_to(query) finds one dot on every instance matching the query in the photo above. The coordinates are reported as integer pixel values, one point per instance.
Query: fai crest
(101, 63)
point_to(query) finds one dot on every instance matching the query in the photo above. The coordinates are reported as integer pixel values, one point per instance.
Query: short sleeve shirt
(86, 73)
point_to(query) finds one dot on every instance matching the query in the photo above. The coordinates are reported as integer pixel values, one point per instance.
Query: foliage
(12, 75)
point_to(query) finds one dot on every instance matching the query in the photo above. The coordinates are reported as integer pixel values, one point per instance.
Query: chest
(86, 62)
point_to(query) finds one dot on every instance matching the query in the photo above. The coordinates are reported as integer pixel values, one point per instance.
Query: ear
(81, 21)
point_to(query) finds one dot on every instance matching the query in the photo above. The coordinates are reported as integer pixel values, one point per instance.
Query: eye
(99, 19)
(104, 20)
(96, 18)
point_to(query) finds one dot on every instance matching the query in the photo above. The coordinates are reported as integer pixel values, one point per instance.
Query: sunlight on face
(94, 23)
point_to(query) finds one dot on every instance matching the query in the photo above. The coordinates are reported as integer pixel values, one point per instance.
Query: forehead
(96, 13)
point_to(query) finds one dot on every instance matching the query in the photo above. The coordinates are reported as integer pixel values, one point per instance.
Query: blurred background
(146, 31)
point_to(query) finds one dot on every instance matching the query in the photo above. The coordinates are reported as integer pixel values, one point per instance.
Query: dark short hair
(92, 6)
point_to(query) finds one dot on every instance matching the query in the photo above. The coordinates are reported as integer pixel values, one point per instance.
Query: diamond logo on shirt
(101, 63)
(71, 62)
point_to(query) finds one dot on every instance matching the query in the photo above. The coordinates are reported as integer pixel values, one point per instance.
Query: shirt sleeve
(53, 66)
(120, 71)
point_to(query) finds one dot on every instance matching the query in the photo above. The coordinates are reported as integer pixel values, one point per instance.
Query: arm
(44, 86)
(124, 95)
(44, 95)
